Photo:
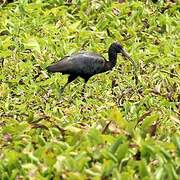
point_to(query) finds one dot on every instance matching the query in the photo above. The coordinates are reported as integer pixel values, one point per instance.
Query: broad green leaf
(143, 169)
(117, 117)
(33, 44)
(122, 151)
(115, 145)
(149, 120)
(108, 166)
(94, 136)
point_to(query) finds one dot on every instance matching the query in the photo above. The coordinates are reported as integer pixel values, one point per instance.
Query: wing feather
(81, 63)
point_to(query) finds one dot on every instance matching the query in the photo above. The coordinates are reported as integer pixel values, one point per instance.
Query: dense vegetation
(123, 130)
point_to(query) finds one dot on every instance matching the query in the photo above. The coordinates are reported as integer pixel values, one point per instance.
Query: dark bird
(87, 64)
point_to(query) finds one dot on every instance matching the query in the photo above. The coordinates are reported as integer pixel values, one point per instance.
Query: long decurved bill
(126, 56)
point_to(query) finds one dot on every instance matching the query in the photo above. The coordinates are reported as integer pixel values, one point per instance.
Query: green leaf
(108, 166)
(115, 146)
(33, 44)
(143, 170)
(176, 140)
(94, 136)
(159, 173)
(149, 120)
(109, 155)
(171, 172)
(122, 151)
(117, 117)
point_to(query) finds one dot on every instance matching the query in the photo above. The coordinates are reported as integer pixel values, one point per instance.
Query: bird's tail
(52, 68)
(58, 67)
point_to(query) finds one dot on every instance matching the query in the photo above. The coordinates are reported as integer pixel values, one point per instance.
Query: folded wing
(83, 63)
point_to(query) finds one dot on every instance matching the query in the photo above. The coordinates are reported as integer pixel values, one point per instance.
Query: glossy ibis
(87, 64)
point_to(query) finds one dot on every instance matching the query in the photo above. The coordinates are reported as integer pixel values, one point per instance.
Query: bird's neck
(112, 58)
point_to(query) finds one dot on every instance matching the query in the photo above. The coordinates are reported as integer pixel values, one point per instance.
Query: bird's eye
(119, 47)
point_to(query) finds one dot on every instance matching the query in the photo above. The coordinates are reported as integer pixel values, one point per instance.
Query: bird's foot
(83, 97)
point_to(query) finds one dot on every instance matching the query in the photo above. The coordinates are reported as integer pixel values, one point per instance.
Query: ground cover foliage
(123, 130)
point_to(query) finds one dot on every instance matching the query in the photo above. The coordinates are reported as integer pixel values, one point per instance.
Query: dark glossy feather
(83, 63)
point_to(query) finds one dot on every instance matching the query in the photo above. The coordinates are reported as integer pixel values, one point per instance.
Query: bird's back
(83, 63)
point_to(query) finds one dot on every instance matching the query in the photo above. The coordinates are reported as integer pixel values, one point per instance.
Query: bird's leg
(62, 89)
(70, 79)
(84, 88)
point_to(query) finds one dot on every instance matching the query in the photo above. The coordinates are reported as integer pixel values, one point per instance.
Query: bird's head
(119, 49)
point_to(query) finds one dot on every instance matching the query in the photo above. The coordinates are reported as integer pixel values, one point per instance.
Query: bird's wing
(91, 63)
(80, 63)
(61, 65)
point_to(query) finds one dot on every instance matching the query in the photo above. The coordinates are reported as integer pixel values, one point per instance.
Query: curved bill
(126, 56)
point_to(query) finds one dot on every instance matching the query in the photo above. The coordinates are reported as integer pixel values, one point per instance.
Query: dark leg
(70, 79)
(84, 88)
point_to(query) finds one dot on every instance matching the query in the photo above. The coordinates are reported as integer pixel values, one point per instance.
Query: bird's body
(83, 64)
(87, 64)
